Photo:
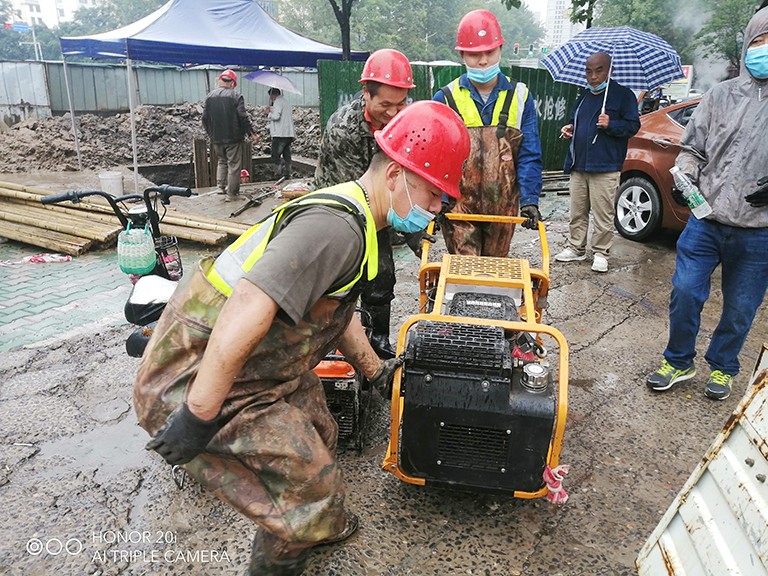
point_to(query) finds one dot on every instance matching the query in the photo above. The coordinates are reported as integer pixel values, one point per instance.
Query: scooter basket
(168, 248)
(136, 251)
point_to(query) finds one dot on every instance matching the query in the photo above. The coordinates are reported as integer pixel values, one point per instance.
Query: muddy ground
(74, 475)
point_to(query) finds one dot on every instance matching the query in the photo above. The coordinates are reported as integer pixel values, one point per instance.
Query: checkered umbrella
(640, 60)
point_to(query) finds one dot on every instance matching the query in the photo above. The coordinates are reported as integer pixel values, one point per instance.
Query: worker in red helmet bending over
(503, 174)
(226, 387)
(346, 149)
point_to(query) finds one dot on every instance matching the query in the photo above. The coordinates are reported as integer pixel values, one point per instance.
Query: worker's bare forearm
(242, 323)
(357, 350)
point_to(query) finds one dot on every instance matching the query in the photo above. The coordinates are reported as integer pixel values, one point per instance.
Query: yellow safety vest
(244, 252)
(468, 109)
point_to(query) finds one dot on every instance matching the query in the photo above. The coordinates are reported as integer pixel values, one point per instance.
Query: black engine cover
(467, 421)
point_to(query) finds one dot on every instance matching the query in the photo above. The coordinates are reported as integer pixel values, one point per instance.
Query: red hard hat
(479, 31)
(244, 173)
(429, 139)
(229, 74)
(388, 67)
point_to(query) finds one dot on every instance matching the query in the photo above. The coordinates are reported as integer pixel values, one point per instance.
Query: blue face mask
(416, 220)
(599, 88)
(756, 61)
(483, 75)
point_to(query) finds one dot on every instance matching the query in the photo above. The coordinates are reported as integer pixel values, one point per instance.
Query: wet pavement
(81, 496)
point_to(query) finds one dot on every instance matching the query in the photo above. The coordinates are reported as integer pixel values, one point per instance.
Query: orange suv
(644, 201)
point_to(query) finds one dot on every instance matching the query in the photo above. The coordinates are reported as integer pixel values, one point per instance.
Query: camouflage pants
(276, 465)
(488, 186)
(274, 459)
(478, 238)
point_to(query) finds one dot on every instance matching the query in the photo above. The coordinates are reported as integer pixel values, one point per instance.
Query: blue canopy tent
(182, 32)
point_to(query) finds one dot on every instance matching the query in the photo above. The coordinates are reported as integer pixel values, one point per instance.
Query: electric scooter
(152, 290)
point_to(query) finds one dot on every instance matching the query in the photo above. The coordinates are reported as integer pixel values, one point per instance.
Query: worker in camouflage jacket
(226, 386)
(346, 148)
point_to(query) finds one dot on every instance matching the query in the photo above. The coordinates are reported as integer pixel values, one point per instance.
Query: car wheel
(638, 209)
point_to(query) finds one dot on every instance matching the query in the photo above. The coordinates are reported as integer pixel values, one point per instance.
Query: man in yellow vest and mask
(503, 173)
(226, 386)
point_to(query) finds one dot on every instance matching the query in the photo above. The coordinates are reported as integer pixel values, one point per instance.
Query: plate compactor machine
(481, 399)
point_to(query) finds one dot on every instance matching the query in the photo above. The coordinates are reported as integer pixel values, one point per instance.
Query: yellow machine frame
(484, 271)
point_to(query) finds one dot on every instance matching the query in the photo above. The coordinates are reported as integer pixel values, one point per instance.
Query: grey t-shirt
(315, 248)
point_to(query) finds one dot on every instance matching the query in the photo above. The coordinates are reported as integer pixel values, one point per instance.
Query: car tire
(638, 209)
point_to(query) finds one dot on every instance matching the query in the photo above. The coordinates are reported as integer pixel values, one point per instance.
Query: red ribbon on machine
(554, 480)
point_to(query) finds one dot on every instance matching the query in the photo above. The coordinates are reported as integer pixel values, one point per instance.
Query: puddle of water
(108, 449)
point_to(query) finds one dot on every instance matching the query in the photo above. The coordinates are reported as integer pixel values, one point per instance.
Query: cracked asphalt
(80, 495)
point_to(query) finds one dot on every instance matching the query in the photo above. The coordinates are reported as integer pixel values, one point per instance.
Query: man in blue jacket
(599, 130)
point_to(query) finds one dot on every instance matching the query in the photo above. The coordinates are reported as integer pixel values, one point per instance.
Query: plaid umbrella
(640, 60)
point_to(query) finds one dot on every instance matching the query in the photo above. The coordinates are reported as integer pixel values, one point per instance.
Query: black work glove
(759, 197)
(183, 436)
(382, 380)
(415, 241)
(531, 212)
(678, 197)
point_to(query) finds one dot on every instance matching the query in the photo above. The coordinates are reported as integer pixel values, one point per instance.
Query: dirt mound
(164, 135)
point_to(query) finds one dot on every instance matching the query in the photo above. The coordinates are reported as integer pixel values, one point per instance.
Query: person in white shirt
(280, 115)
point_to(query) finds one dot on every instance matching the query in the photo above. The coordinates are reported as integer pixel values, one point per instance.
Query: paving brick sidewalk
(44, 301)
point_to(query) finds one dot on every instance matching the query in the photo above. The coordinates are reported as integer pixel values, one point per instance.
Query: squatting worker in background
(503, 174)
(346, 148)
(226, 386)
(725, 152)
(594, 160)
(226, 122)
(280, 114)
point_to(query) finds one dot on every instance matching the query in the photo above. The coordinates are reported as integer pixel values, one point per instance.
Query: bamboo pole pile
(76, 228)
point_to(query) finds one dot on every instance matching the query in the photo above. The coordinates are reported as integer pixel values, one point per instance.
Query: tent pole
(131, 106)
(72, 114)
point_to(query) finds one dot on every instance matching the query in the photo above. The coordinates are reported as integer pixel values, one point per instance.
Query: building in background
(559, 27)
(48, 13)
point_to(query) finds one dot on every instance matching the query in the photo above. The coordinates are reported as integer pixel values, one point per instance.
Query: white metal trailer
(718, 523)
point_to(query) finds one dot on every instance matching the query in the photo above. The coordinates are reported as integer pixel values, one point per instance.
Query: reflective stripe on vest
(243, 253)
(470, 114)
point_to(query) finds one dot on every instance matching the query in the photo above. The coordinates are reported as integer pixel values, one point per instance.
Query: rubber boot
(263, 565)
(379, 337)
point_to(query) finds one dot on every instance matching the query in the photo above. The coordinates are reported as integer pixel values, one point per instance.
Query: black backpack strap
(504, 114)
(449, 99)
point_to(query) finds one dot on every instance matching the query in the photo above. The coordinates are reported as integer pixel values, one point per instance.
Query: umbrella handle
(607, 85)
(605, 94)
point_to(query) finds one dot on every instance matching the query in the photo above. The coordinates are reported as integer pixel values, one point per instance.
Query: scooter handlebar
(169, 190)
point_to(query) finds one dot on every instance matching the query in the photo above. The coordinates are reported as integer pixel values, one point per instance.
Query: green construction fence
(338, 84)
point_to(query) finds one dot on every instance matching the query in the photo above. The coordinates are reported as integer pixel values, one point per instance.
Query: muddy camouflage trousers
(274, 458)
(488, 186)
